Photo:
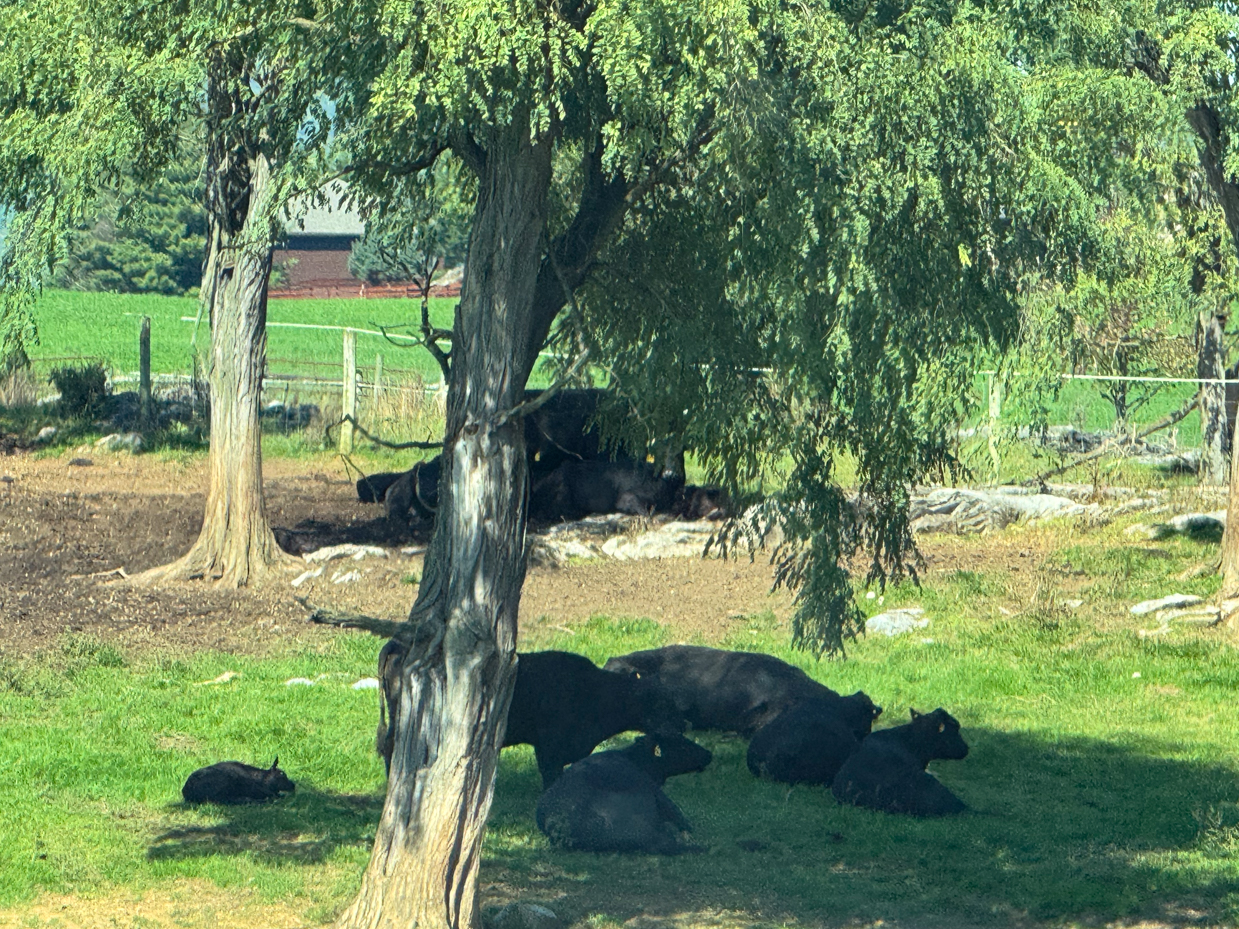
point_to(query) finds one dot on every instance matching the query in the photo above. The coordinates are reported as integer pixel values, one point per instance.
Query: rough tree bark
(1211, 364)
(1208, 127)
(236, 545)
(458, 658)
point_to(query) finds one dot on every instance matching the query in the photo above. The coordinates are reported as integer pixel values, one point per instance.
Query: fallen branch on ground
(324, 617)
(1114, 444)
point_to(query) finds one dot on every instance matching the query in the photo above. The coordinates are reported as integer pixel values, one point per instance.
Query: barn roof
(331, 218)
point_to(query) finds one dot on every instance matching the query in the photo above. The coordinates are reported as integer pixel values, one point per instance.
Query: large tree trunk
(1205, 121)
(1211, 364)
(236, 545)
(456, 664)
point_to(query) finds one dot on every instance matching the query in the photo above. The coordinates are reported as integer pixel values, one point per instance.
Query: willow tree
(93, 94)
(792, 217)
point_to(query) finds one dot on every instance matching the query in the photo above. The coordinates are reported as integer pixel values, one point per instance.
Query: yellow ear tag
(942, 727)
(658, 751)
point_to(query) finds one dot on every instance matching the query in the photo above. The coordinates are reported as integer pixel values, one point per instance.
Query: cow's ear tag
(658, 751)
(638, 674)
(942, 727)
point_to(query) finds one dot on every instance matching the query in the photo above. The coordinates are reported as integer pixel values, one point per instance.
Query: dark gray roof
(330, 219)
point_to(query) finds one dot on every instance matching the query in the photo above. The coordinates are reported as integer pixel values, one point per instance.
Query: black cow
(576, 489)
(231, 782)
(737, 691)
(693, 502)
(562, 704)
(805, 744)
(888, 771)
(562, 429)
(613, 801)
(373, 488)
(415, 494)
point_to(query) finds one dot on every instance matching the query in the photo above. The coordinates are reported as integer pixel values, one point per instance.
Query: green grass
(1097, 795)
(106, 326)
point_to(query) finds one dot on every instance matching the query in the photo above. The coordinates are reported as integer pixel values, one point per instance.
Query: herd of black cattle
(800, 731)
(571, 473)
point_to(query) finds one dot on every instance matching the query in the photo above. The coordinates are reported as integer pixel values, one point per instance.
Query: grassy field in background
(106, 326)
(1103, 777)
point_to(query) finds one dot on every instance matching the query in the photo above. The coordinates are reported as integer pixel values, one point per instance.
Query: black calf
(806, 744)
(613, 801)
(888, 770)
(230, 782)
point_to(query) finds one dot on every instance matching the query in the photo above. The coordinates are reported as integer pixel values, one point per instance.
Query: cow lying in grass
(805, 744)
(737, 691)
(614, 802)
(231, 782)
(888, 771)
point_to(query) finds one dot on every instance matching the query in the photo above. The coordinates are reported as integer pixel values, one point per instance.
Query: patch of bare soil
(66, 529)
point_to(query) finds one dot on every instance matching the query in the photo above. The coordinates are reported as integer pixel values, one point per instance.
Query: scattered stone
(46, 434)
(521, 915)
(299, 681)
(1230, 608)
(347, 550)
(118, 442)
(1193, 524)
(413, 550)
(1203, 615)
(80, 462)
(962, 510)
(1165, 603)
(673, 540)
(1160, 630)
(308, 575)
(1073, 604)
(345, 577)
(1135, 674)
(366, 683)
(555, 553)
(222, 679)
(896, 622)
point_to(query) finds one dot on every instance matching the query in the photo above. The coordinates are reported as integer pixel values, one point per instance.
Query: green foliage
(145, 238)
(83, 388)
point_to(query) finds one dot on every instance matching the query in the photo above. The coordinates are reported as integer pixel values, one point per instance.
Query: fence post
(349, 405)
(378, 378)
(995, 412)
(144, 373)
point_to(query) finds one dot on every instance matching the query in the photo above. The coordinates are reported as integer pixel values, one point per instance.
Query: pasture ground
(1104, 774)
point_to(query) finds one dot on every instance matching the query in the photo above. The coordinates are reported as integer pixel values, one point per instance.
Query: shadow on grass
(1061, 831)
(304, 828)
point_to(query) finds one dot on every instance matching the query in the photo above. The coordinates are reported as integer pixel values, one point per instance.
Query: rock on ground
(521, 915)
(896, 622)
(1164, 603)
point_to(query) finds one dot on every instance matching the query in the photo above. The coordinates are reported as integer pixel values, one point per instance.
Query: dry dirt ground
(65, 529)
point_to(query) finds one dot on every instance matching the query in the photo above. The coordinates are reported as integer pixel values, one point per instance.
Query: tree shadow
(304, 828)
(1071, 829)
(311, 534)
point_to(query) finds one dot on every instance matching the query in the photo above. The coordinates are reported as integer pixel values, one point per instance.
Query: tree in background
(90, 96)
(144, 238)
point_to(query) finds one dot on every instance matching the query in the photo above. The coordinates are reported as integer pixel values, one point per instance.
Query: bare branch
(1106, 447)
(325, 617)
(375, 439)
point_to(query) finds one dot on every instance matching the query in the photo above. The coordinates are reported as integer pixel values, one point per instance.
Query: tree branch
(1106, 447)
(375, 439)
(325, 617)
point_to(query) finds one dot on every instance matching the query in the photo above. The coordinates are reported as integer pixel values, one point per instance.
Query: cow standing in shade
(563, 705)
